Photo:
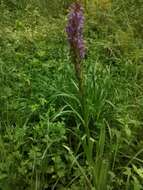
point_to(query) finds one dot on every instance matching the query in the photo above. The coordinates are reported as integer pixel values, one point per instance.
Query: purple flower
(74, 30)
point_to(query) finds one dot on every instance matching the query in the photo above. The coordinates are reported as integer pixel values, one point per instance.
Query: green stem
(80, 77)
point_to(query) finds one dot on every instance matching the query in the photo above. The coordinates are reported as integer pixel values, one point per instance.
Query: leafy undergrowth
(43, 144)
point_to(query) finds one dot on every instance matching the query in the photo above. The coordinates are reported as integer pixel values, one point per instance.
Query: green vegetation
(49, 138)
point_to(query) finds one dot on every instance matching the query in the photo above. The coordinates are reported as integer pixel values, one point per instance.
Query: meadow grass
(50, 138)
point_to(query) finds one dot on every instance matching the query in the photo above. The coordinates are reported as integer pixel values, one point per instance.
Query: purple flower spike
(74, 30)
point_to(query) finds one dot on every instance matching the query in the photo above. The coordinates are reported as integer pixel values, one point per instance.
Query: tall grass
(49, 137)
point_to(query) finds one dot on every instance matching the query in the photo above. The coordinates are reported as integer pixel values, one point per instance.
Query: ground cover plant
(71, 108)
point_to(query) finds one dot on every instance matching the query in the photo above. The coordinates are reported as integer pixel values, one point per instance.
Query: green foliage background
(43, 143)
